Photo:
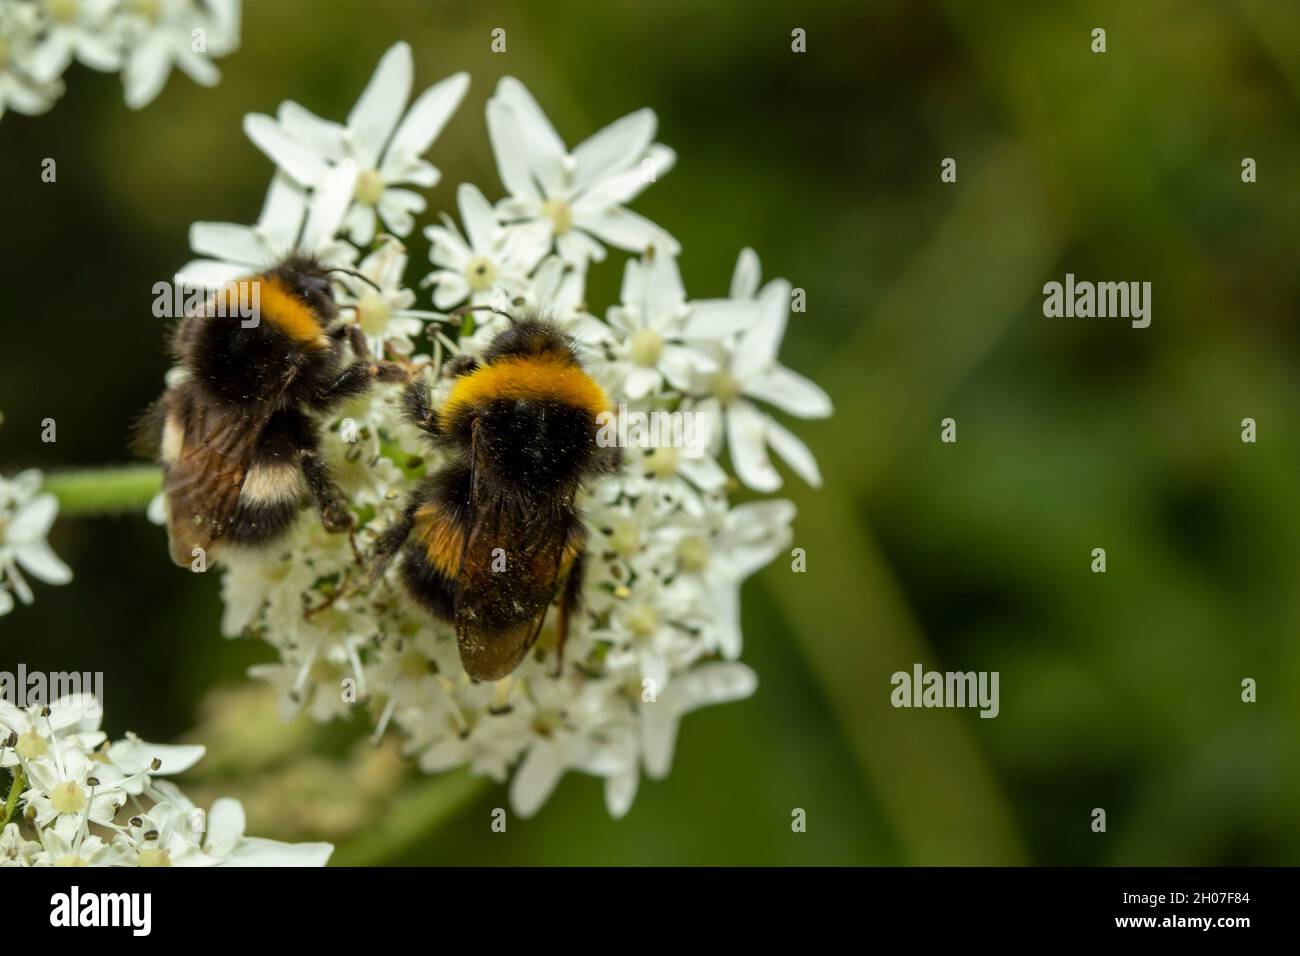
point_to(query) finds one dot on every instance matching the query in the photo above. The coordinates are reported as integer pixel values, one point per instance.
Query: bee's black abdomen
(431, 589)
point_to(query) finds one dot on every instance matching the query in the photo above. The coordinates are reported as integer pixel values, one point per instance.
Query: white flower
(751, 371)
(15, 849)
(291, 219)
(160, 34)
(578, 196)
(75, 28)
(487, 259)
(384, 313)
(704, 686)
(19, 90)
(25, 519)
(385, 148)
(660, 625)
(651, 322)
(76, 780)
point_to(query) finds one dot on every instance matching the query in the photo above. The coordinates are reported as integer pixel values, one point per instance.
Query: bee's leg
(357, 339)
(325, 494)
(415, 403)
(355, 380)
(458, 366)
(570, 603)
(389, 543)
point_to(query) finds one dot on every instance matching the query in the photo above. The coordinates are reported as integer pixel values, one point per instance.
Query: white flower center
(643, 621)
(560, 213)
(724, 386)
(68, 797)
(370, 187)
(693, 553)
(4, 53)
(480, 273)
(373, 313)
(149, 9)
(661, 462)
(70, 860)
(63, 11)
(626, 539)
(414, 665)
(32, 745)
(155, 857)
(646, 347)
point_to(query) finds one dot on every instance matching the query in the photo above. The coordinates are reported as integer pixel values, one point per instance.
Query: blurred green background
(1119, 691)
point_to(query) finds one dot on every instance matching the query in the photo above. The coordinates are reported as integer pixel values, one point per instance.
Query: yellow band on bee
(526, 377)
(288, 313)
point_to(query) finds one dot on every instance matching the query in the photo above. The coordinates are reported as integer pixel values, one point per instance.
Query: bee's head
(305, 278)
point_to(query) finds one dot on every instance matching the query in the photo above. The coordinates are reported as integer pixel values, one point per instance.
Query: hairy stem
(11, 802)
(105, 490)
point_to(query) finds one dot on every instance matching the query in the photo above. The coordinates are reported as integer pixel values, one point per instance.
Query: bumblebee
(237, 438)
(490, 539)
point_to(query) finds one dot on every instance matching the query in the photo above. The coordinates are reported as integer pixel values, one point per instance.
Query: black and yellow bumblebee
(237, 438)
(491, 538)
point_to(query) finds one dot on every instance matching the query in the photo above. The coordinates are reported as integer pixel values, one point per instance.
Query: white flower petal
(375, 115)
(305, 166)
(790, 392)
(744, 281)
(146, 71)
(614, 149)
(331, 201)
(535, 780)
(759, 346)
(427, 117)
(747, 441)
(796, 454)
(38, 559)
(255, 851)
(626, 230)
(508, 146)
(34, 519)
(477, 215)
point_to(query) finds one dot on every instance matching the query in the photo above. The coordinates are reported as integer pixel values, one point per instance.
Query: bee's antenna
(357, 275)
(466, 309)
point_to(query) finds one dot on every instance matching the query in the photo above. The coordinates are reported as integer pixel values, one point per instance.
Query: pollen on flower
(642, 620)
(373, 313)
(480, 273)
(693, 552)
(625, 538)
(725, 387)
(68, 797)
(370, 187)
(662, 462)
(64, 11)
(155, 856)
(560, 213)
(32, 745)
(646, 347)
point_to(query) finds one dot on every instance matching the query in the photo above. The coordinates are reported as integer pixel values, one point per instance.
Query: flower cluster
(26, 515)
(143, 39)
(660, 630)
(77, 799)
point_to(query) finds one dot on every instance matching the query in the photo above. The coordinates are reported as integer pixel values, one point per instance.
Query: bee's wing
(205, 474)
(510, 565)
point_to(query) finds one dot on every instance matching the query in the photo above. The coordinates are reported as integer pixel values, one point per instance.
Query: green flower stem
(105, 490)
(416, 815)
(11, 802)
